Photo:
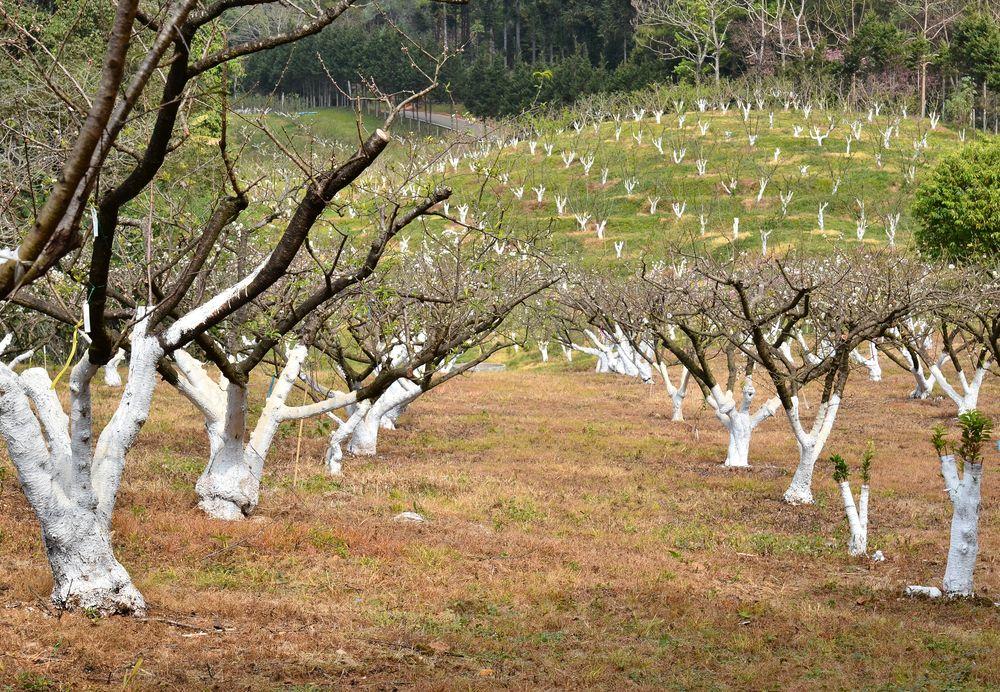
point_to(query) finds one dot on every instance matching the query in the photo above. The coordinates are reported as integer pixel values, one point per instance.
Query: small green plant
(866, 462)
(976, 430)
(841, 472)
(939, 440)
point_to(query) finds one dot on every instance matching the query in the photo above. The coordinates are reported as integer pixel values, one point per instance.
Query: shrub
(958, 206)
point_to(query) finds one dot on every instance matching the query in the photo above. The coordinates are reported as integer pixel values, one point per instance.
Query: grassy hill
(864, 184)
(766, 168)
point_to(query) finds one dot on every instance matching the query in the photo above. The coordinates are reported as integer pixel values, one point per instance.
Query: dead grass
(577, 538)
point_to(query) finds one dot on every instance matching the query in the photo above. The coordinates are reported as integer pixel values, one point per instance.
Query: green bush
(958, 206)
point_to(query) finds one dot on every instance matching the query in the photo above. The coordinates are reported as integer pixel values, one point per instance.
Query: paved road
(450, 122)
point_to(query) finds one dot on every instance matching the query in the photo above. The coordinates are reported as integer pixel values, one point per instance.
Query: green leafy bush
(958, 206)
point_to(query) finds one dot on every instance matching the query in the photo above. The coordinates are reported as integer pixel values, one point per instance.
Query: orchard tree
(831, 308)
(440, 310)
(965, 493)
(133, 124)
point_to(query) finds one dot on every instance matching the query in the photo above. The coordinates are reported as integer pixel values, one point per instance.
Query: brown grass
(577, 538)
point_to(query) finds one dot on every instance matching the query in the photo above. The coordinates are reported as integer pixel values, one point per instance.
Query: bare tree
(694, 30)
(804, 318)
(70, 482)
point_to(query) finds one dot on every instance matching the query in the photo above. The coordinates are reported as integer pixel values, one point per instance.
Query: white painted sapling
(857, 514)
(964, 492)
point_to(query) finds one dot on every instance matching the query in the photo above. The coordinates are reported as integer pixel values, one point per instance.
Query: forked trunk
(739, 421)
(740, 430)
(364, 439)
(810, 446)
(85, 573)
(71, 484)
(229, 487)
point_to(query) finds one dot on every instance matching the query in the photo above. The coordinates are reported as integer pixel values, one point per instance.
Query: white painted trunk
(740, 431)
(800, 490)
(857, 519)
(335, 453)
(111, 376)
(364, 439)
(229, 488)
(72, 484)
(810, 446)
(964, 548)
(968, 398)
(85, 573)
(923, 385)
(739, 420)
(677, 403)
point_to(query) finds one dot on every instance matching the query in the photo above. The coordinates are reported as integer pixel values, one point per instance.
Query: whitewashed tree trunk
(600, 353)
(344, 429)
(968, 398)
(72, 485)
(965, 494)
(810, 446)
(871, 361)
(229, 487)
(857, 518)
(923, 382)
(740, 421)
(364, 438)
(678, 392)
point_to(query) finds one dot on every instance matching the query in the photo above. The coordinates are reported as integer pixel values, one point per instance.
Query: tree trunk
(964, 545)
(85, 573)
(364, 440)
(800, 490)
(228, 487)
(740, 431)
(810, 446)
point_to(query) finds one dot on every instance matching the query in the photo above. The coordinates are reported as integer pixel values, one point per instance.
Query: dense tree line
(944, 54)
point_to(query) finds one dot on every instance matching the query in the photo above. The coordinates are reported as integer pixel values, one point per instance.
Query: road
(449, 122)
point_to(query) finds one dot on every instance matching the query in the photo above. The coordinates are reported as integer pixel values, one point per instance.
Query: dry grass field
(575, 539)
